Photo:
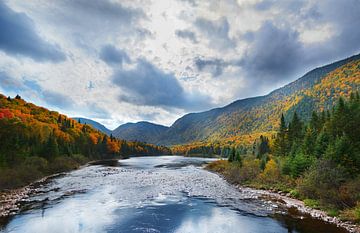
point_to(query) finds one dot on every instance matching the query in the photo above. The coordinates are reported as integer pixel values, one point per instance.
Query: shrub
(351, 214)
(271, 173)
(79, 158)
(37, 163)
(218, 166)
(62, 164)
(250, 169)
(322, 181)
(312, 203)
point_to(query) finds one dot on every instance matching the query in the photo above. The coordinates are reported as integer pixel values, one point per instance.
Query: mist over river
(152, 194)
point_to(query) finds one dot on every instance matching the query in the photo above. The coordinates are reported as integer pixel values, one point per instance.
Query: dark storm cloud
(217, 31)
(273, 52)
(113, 56)
(214, 66)
(186, 34)
(148, 85)
(344, 17)
(89, 23)
(19, 37)
(276, 53)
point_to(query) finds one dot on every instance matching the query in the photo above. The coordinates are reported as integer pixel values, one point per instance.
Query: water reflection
(158, 194)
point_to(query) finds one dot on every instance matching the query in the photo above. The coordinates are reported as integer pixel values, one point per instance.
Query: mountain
(141, 131)
(316, 90)
(94, 124)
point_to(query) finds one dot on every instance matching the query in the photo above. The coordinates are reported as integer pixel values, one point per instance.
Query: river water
(152, 194)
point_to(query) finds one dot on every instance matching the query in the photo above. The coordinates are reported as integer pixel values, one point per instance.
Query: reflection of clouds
(80, 214)
(225, 220)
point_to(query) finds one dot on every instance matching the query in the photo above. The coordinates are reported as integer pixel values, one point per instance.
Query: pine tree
(295, 130)
(280, 143)
(231, 157)
(51, 147)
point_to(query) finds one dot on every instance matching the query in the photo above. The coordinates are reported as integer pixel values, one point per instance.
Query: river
(152, 194)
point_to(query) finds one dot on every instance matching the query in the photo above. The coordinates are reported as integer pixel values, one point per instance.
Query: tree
(51, 147)
(295, 129)
(280, 143)
(238, 158)
(232, 155)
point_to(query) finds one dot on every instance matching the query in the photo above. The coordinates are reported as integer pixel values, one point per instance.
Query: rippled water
(152, 194)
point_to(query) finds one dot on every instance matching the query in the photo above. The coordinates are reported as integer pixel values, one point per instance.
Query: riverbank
(284, 200)
(12, 199)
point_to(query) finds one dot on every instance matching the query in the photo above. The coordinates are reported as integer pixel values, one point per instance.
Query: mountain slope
(94, 124)
(141, 131)
(316, 90)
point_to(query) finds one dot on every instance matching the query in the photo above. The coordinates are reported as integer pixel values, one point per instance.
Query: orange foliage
(112, 146)
(93, 138)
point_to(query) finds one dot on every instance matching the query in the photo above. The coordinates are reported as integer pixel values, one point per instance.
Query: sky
(118, 61)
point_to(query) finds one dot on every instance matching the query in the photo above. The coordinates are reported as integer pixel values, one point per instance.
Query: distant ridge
(94, 124)
(141, 131)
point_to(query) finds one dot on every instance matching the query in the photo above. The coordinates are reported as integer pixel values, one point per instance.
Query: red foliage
(6, 113)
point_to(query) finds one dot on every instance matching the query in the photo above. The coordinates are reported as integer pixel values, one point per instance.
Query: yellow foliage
(271, 173)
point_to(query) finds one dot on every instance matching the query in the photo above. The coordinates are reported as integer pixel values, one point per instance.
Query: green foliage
(297, 165)
(312, 203)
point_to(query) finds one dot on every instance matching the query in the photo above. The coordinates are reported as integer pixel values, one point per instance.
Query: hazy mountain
(141, 131)
(94, 124)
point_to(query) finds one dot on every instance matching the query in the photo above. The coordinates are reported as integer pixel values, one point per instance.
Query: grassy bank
(317, 191)
(34, 167)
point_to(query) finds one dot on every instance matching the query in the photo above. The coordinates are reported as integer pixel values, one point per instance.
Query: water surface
(153, 194)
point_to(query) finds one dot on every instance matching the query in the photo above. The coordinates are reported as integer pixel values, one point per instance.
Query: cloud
(106, 9)
(217, 32)
(113, 56)
(30, 88)
(8, 83)
(96, 20)
(186, 34)
(343, 18)
(273, 53)
(214, 66)
(18, 37)
(149, 86)
(193, 3)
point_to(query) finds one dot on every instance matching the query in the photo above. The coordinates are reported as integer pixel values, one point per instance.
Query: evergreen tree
(295, 129)
(232, 155)
(51, 147)
(280, 142)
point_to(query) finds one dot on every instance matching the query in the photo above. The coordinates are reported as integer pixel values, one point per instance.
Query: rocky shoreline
(285, 201)
(10, 200)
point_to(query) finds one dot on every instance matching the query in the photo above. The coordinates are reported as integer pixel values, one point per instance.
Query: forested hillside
(318, 89)
(317, 161)
(36, 141)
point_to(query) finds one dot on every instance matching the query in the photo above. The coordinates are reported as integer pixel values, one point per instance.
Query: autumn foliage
(31, 133)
